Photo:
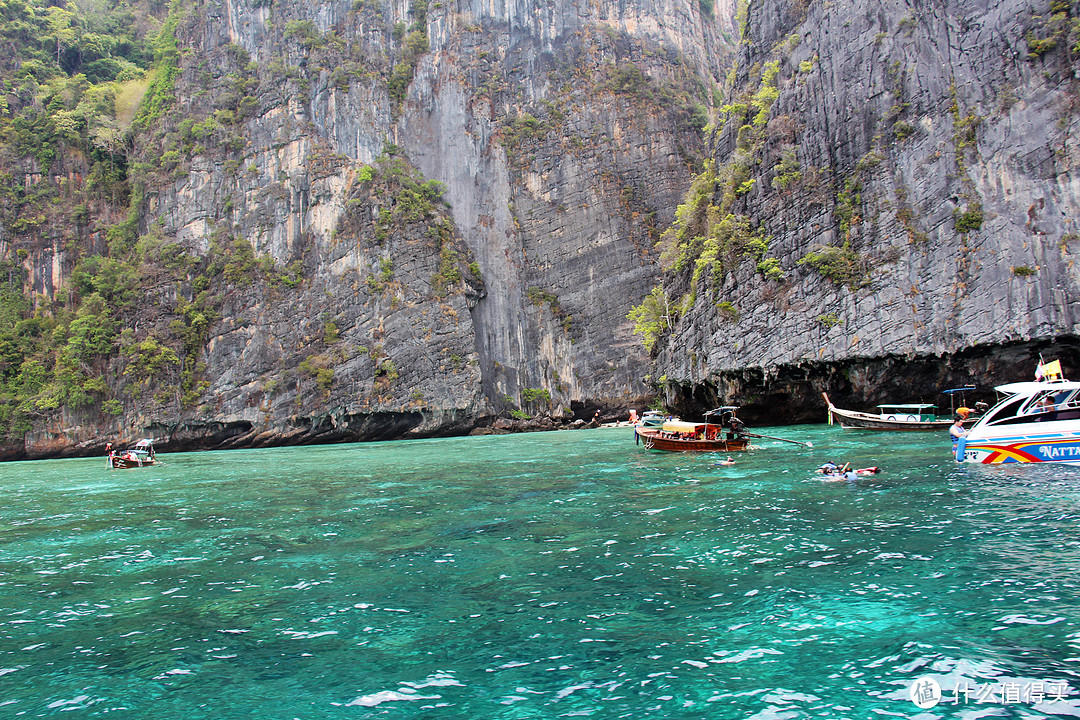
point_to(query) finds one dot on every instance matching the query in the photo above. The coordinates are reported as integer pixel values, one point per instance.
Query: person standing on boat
(734, 424)
(737, 427)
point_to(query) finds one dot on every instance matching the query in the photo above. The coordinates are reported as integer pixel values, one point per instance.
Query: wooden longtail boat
(910, 416)
(142, 455)
(682, 436)
(658, 439)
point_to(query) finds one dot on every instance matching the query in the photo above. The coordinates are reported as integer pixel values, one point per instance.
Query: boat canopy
(1032, 386)
(953, 391)
(681, 426)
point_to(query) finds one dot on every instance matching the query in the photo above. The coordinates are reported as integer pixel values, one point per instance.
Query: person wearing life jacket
(833, 470)
(957, 429)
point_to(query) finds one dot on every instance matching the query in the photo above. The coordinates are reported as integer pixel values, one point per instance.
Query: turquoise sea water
(540, 576)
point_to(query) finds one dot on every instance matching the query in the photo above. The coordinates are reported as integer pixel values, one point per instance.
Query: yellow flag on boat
(1049, 371)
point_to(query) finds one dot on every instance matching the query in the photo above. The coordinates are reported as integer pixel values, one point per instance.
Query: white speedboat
(653, 419)
(1035, 422)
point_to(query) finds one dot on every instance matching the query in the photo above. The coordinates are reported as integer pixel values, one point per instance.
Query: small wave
(385, 696)
(301, 635)
(749, 654)
(1027, 620)
(407, 691)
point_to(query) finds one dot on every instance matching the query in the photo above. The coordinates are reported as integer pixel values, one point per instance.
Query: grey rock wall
(935, 110)
(565, 136)
(552, 217)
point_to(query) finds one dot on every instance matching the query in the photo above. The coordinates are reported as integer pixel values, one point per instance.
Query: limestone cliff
(903, 184)
(383, 219)
(363, 219)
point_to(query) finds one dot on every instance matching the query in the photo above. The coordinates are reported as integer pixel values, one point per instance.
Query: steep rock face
(374, 342)
(557, 221)
(562, 136)
(915, 176)
(369, 220)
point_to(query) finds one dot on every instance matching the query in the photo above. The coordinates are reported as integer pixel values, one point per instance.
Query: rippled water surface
(540, 576)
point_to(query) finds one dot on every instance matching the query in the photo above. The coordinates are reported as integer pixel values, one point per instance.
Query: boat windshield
(1050, 400)
(1004, 411)
(1042, 406)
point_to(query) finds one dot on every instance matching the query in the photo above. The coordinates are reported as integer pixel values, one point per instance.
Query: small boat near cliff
(681, 436)
(653, 419)
(897, 416)
(1034, 422)
(141, 455)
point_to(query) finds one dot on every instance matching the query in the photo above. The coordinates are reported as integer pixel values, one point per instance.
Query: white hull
(1057, 442)
(1020, 429)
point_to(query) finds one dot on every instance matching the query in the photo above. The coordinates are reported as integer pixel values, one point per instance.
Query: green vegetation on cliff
(79, 82)
(69, 79)
(712, 234)
(719, 248)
